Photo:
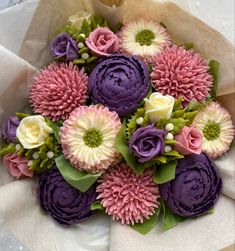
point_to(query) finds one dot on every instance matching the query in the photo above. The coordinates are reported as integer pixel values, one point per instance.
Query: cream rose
(33, 131)
(159, 106)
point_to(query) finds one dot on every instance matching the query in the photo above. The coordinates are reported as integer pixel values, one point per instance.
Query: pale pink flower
(17, 166)
(102, 41)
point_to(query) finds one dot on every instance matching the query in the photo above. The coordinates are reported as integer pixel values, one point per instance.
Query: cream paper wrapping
(19, 209)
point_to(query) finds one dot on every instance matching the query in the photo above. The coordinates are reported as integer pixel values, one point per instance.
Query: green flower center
(145, 37)
(211, 130)
(93, 138)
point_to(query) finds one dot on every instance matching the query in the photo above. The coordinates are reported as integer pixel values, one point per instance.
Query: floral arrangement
(123, 120)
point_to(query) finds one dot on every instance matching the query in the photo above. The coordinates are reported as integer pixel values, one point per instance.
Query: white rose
(77, 19)
(159, 106)
(33, 131)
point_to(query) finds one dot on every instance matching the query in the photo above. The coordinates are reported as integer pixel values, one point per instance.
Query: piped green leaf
(214, 71)
(148, 225)
(96, 206)
(188, 46)
(10, 148)
(55, 127)
(80, 180)
(178, 123)
(121, 146)
(195, 106)
(177, 104)
(169, 219)
(20, 115)
(165, 172)
(85, 28)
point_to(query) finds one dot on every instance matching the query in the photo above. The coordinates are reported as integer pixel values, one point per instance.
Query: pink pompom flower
(127, 196)
(17, 166)
(58, 90)
(181, 73)
(102, 41)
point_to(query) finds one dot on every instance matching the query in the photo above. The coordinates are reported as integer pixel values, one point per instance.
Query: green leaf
(10, 148)
(98, 20)
(121, 146)
(195, 106)
(179, 113)
(147, 225)
(190, 117)
(165, 172)
(132, 125)
(157, 160)
(188, 46)
(85, 28)
(169, 219)
(96, 206)
(162, 123)
(173, 153)
(170, 142)
(177, 104)
(117, 27)
(214, 71)
(80, 180)
(211, 211)
(178, 123)
(55, 127)
(20, 115)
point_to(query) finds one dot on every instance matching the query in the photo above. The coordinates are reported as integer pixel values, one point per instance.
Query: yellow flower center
(211, 130)
(93, 138)
(145, 37)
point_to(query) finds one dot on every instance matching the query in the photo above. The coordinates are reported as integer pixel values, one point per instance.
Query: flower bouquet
(124, 120)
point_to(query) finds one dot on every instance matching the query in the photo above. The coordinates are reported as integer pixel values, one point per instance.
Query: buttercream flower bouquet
(124, 120)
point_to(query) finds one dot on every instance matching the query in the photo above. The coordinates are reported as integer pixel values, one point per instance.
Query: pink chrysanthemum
(126, 196)
(143, 38)
(88, 138)
(179, 72)
(58, 90)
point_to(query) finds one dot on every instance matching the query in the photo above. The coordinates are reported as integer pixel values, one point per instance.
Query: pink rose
(189, 141)
(102, 41)
(17, 166)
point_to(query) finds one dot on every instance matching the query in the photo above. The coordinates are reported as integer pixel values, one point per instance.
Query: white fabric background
(94, 234)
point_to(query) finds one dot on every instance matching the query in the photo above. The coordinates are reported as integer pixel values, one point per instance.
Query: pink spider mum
(126, 196)
(58, 90)
(179, 72)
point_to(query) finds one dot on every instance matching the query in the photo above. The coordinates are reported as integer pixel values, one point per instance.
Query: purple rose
(63, 202)
(64, 46)
(9, 129)
(196, 186)
(147, 142)
(119, 82)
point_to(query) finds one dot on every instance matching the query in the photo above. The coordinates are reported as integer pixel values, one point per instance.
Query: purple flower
(196, 186)
(147, 142)
(119, 82)
(63, 202)
(64, 46)
(9, 129)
